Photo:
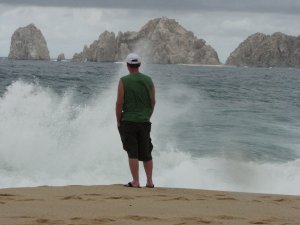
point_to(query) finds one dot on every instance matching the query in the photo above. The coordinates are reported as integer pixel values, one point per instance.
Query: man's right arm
(120, 101)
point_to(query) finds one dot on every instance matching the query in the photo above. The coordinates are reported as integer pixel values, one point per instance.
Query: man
(134, 107)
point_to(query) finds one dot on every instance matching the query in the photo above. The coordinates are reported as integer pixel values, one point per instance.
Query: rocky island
(61, 57)
(261, 50)
(161, 40)
(28, 43)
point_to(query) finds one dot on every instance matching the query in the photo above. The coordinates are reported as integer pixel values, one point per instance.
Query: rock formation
(28, 43)
(260, 50)
(161, 40)
(61, 57)
(102, 50)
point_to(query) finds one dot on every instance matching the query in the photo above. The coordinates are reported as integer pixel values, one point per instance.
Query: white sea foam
(229, 175)
(46, 139)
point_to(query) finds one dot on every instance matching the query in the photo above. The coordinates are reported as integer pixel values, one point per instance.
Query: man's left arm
(153, 100)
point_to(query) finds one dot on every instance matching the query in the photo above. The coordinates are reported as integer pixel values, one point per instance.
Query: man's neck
(135, 71)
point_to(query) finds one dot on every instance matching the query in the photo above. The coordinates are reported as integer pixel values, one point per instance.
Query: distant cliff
(260, 50)
(161, 40)
(28, 43)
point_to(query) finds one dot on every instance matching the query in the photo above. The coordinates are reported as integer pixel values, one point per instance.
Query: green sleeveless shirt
(137, 106)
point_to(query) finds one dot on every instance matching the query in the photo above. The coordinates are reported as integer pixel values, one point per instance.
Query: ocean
(218, 128)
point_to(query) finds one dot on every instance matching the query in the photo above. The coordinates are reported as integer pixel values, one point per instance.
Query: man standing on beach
(134, 107)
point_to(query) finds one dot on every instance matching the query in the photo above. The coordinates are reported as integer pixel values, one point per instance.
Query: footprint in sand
(223, 197)
(76, 197)
(94, 221)
(94, 195)
(29, 200)
(224, 217)
(226, 198)
(46, 221)
(281, 200)
(42, 221)
(103, 220)
(141, 218)
(75, 218)
(151, 196)
(22, 217)
(6, 197)
(177, 199)
(72, 197)
(267, 221)
(194, 220)
(265, 196)
(120, 197)
(257, 222)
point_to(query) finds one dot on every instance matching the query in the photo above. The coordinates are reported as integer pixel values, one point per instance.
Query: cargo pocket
(122, 134)
(150, 145)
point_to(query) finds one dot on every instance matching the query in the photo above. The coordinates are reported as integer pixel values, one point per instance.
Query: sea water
(219, 128)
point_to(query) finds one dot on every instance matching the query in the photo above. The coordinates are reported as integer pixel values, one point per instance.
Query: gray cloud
(267, 6)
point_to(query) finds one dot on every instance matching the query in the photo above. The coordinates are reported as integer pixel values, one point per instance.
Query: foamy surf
(48, 139)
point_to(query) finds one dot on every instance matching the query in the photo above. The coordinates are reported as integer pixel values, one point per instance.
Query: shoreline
(116, 204)
(207, 65)
(179, 64)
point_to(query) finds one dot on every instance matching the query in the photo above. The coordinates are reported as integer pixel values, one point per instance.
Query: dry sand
(115, 204)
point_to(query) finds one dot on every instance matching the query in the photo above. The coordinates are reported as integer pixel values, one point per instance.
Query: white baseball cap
(133, 58)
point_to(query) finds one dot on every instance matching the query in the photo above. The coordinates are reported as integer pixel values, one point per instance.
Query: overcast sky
(68, 25)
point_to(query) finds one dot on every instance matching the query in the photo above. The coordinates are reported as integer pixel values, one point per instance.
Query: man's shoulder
(128, 76)
(125, 77)
(145, 76)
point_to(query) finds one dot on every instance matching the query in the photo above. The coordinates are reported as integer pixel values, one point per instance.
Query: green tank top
(137, 106)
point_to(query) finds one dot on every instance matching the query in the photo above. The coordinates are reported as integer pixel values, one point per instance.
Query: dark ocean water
(214, 127)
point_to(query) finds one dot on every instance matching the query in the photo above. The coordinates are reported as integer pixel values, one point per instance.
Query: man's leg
(148, 166)
(134, 169)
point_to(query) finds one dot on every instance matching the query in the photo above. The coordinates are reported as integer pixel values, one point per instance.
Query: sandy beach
(115, 204)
